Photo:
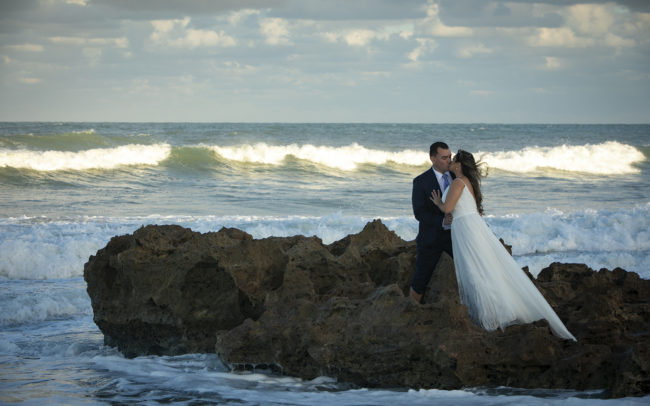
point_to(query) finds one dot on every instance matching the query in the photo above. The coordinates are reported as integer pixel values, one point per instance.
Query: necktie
(445, 182)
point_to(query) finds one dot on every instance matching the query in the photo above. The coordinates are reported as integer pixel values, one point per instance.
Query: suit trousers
(426, 259)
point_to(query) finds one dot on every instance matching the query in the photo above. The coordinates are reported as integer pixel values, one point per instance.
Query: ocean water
(567, 193)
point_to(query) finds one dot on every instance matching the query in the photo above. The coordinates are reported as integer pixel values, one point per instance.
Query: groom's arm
(421, 208)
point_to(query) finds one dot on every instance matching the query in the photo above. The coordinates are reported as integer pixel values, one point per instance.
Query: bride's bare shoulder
(460, 181)
(466, 183)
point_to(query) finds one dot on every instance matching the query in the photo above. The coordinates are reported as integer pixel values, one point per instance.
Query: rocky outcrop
(307, 309)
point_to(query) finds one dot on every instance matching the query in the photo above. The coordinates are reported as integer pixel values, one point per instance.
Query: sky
(415, 61)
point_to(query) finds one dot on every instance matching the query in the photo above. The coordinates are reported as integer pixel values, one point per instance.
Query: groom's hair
(433, 150)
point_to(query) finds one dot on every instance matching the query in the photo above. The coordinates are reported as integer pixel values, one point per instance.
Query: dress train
(494, 288)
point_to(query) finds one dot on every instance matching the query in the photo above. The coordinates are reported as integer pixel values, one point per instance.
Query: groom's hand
(448, 219)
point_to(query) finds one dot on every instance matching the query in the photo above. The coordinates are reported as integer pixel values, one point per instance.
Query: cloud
(77, 2)
(238, 16)
(234, 68)
(363, 36)
(176, 33)
(559, 37)
(591, 19)
(472, 50)
(275, 30)
(425, 45)
(590, 25)
(29, 80)
(432, 25)
(359, 37)
(27, 47)
(121, 42)
(552, 63)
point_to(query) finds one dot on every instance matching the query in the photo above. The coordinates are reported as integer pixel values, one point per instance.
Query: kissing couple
(447, 202)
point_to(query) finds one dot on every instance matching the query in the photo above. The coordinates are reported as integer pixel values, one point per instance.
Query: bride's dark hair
(474, 172)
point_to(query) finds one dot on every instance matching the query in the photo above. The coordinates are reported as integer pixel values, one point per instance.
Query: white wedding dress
(494, 288)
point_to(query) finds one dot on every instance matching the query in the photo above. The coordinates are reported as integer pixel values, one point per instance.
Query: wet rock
(308, 309)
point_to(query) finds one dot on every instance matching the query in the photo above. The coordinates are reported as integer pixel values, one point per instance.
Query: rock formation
(308, 309)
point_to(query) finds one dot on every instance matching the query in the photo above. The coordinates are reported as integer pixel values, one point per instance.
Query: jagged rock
(308, 309)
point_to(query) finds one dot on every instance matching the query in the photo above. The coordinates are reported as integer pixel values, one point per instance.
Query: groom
(434, 235)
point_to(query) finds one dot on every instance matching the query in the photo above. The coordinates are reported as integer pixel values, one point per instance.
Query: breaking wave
(607, 158)
(97, 158)
(611, 157)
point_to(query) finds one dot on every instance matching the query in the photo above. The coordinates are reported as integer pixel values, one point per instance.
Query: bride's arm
(452, 196)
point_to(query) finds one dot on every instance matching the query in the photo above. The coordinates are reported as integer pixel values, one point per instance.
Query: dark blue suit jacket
(428, 214)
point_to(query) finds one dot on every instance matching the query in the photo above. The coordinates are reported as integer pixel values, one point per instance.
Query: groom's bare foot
(416, 296)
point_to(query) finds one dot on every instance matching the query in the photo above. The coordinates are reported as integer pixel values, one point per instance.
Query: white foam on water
(201, 376)
(97, 158)
(345, 158)
(33, 248)
(606, 158)
(597, 238)
(24, 302)
(609, 158)
(89, 131)
(590, 230)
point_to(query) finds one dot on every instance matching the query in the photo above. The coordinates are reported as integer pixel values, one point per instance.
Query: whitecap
(613, 158)
(97, 158)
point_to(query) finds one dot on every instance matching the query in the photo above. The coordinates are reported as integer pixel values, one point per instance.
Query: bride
(495, 290)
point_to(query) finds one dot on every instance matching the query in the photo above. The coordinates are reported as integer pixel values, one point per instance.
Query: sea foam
(606, 158)
(97, 158)
(346, 158)
(39, 301)
(31, 249)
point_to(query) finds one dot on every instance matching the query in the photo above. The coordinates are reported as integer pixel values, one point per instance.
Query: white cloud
(432, 25)
(638, 26)
(77, 2)
(552, 63)
(175, 33)
(121, 42)
(27, 47)
(472, 50)
(363, 36)
(591, 19)
(68, 40)
(235, 68)
(615, 41)
(275, 30)
(558, 37)
(592, 25)
(425, 45)
(29, 80)
(360, 37)
(237, 16)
